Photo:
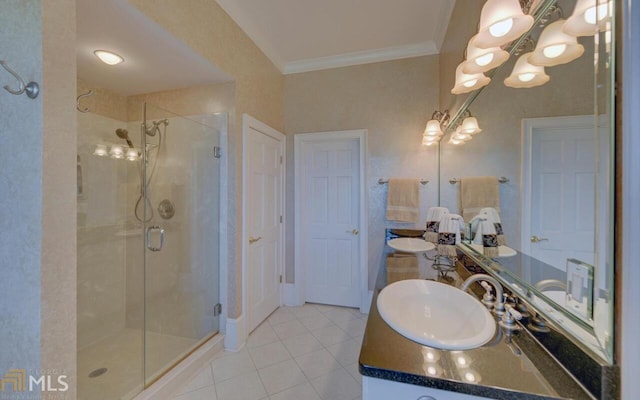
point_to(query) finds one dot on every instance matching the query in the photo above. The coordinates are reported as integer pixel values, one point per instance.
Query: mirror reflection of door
(561, 189)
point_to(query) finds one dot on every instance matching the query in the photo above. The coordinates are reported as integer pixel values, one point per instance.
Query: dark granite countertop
(510, 366)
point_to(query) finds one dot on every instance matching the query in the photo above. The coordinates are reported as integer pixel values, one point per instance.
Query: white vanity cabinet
(382, 389)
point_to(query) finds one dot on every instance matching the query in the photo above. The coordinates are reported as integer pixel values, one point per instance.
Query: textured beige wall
(500, 110)
(102, 102)
(392, 100)
(206, 28)
(209, 99)
(58, 296)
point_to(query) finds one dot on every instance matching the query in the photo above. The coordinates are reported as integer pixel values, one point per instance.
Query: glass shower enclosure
(148, 245)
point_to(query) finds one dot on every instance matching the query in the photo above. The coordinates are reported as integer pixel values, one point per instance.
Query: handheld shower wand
(124, 134)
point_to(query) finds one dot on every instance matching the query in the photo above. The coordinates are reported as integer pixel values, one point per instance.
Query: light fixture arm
(442, 117)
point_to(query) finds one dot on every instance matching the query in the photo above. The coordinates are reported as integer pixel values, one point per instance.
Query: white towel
(403, 200)
(449, 234)
(492, 215)
(434, 214)
(478, 192)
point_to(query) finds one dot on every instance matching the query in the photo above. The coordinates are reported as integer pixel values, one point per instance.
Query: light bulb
(484, 60)
(499, 29)
(470, 83)
(554, 51)
(526, 77)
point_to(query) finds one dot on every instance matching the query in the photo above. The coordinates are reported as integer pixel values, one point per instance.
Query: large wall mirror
(554, 144)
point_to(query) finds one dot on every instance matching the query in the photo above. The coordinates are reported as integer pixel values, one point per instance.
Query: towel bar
(383, 181)
(502, 179)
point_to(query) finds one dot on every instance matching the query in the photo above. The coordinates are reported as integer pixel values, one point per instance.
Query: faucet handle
(508, 320)
(487, 299)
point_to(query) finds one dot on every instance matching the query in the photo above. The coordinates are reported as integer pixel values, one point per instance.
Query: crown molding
(361, 57)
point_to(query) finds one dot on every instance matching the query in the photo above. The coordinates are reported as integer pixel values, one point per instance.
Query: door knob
(252, 240)
(353, 231)
(535, 239)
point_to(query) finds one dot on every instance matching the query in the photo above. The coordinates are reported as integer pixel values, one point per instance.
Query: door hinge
(280, 278)
(217, 151)
(217, 310)
(281, 219)
(280, 159)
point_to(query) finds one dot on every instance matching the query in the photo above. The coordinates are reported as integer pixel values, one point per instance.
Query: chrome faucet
(498, 307)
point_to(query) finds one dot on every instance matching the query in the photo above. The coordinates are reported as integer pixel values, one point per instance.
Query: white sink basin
(411, 245)
(436, 315)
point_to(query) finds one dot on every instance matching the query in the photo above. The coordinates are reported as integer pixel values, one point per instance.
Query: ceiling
(307, 35)
(297, 35)
(154, 59)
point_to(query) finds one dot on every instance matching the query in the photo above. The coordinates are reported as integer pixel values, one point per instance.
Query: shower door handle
(148, 237)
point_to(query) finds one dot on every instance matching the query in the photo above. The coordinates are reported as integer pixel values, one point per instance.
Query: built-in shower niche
(140, 311)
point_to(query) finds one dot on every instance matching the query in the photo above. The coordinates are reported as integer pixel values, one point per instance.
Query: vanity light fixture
(433, 130)
(589, 17)
(108, 57)
(481, 60)
(501, 22)
(468, 82)
(555, 47)
(525, 75)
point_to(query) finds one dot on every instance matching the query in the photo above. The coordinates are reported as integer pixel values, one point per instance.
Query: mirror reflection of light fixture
(132, 154)
(468, 82)
(430, 140)
(108, 57)
(116, 151)
(589, 16)
(470, 126)
(555, 47)
(482, 60)
(501, 22)
(100, 150)
(525, 75)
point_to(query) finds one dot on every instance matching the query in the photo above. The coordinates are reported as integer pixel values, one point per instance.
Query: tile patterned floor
(298, 353)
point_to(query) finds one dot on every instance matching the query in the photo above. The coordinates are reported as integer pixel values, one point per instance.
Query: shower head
(156, 126)
(124, 134)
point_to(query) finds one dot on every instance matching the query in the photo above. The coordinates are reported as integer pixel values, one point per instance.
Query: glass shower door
(181, 213)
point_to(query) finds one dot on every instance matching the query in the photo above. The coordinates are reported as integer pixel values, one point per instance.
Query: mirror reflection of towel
(403, 200)
(478, 192)
(493, 216)
(487, 237)
(402, 266)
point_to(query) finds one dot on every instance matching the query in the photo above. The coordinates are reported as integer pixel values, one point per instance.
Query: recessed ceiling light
(108, 57)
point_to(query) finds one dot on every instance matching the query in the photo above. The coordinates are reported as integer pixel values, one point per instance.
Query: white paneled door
(264, 224)
(330, 225)
(562, 190)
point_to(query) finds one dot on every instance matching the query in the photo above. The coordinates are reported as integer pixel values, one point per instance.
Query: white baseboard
(292, 295)
(236, 333)
(172, 381)
(364, 308)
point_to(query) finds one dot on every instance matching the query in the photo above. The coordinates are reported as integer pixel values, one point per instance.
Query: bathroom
(391, 99)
